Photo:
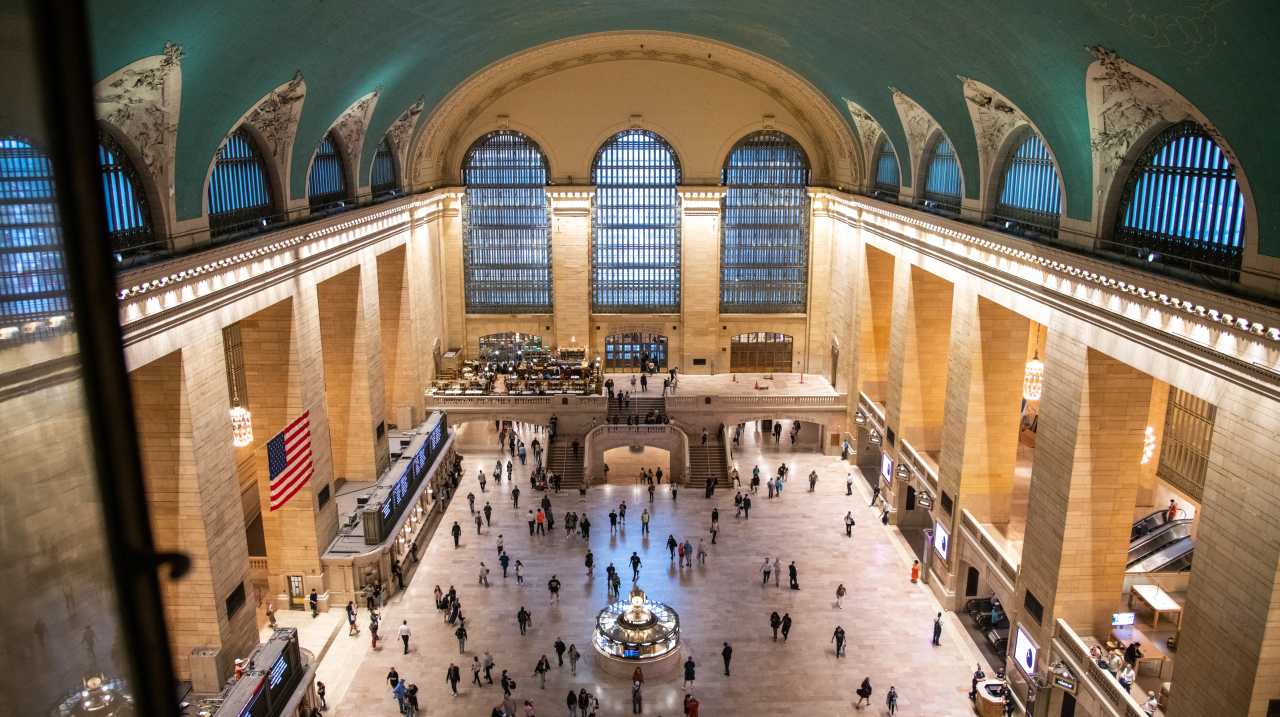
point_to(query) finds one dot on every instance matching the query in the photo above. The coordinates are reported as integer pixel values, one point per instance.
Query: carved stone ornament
(916, 121)
(401, 131)
(141, 101)
(869, 131)
(1124, 102)
(276, 115)
(811, 109)
(352, 124)
(994, 119)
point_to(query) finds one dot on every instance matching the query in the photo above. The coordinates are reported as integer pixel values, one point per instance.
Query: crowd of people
(541, 522)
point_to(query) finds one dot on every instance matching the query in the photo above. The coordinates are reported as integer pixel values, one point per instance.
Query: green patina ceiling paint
(1220, 54)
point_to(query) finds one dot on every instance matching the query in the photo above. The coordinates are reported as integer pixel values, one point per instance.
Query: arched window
(128, 222)
(239, 190)
(764, 256)
(887, 181)
(33, 291)
(635, 235)
(942, 177)
(1182, 206)
(507, 245)
(1029, 194)
(382, 180)
(327, 183)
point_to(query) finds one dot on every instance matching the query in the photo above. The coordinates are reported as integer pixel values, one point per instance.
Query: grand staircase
(706, 464)
(641, 405)
(562, 462)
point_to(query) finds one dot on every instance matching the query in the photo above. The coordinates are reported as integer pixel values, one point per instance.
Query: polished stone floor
(888, 620)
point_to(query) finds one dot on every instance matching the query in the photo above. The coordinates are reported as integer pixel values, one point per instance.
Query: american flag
(289, 460)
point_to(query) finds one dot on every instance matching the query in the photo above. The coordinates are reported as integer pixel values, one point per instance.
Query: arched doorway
(625, 463)
(509, 346)
(625, 351)
(760, 352)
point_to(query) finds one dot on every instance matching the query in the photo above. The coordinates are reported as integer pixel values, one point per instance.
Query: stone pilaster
(430, 327)
(1229, 649)
(571, 259)
(445, 224)
(700, 280)
(1093, 411)
(926, 337)
(402, 392)
(874, 282)
(181, 404)
(820, 304)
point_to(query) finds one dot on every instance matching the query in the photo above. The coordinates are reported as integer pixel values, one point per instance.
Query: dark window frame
(1029, 187)
(130, 223)
(939, 198)
(327, 183)
(384, 173)
(241, 193)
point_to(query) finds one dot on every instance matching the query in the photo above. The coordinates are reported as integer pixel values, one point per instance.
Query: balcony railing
(711, 403)
(1008, 569)
(1116, 697)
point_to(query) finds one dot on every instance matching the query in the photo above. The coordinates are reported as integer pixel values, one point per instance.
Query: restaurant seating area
(559, 372)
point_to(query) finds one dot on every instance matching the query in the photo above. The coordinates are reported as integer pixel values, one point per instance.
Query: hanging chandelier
(1033, 376)
(1148, 445)
(241, 427)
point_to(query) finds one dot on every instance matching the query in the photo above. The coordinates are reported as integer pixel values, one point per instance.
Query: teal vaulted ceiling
(1222, 55)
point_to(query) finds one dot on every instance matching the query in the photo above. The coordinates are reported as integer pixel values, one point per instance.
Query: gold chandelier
(1033, 376)
(241, 419)
(241, 427)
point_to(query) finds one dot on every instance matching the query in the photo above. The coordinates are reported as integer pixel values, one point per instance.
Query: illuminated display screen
(886, 469)
(414, 473)
(1024, 651)
(941, 540)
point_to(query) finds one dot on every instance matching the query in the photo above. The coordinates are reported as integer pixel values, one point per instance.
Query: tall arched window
(382, 180)
(1182, 205)
(33, 292)
(764, 256)
(1029, 194)
(128, 222)
(887, 181)
(507, 246)
(239, 190)
(327, 183)
(942, 177)
(635, 235)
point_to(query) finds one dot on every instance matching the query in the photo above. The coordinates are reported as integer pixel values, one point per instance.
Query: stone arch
(722, 153)
(150, 184)
(531, 132)
(667, 437)
(837, 160)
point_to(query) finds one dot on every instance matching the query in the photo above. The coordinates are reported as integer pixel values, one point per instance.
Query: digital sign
(415, 470)
(886, 469)
(1024, 652)
(941, 540)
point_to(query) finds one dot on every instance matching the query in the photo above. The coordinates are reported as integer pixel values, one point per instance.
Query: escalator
(1160, 546)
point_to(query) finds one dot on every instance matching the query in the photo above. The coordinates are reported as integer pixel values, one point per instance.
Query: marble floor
(888, 620)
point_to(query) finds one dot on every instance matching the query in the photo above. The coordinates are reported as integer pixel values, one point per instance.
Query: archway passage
(761, 352)
(627, 351)
(625, 463)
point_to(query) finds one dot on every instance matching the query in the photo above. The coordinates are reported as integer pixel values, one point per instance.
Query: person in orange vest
(915, 571)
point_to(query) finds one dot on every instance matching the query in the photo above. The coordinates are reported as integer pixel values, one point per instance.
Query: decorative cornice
(352, 126)
(142, 102)
(275, 116)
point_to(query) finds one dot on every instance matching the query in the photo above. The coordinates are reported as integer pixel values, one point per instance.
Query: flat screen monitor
(941, 540)
(1122, 619)
(1025, 652)
(886, 469)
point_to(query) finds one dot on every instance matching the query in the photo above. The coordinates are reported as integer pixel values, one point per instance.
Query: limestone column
(181, 403)
(354, 395)
(428, 291)
(284, 371)
(445, 224)
(1228, 659)
(1093, 411)
(571, 264)
(875, 297)
(820, 303)
(925, 342)
(700, 280)
(402, 386)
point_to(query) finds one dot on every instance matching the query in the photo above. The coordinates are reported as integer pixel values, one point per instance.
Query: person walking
(786, 625)
(560, 648)
(727, 654)
(313, 601)
(644, 517)
(540, 671)
(689, 666)
(937, 630)
(523, 618)
(507, 684)
(574, 656)
(504, 561)
(848, 484)
(613, 522)
(637, 699)
(838, 638)
(840, 592)
(479, 523)
(915, 571)
(519, 573)
(471, 502)
(320, 693)
(475, 671)
(488, 514)
(813, 480)
(635, 565)
(875, 494)
(484, 574)
(891, 700)
(553, 587)
(488, 668)
(404, 635)
(792, 575)
(515, 497)
(453, 676)
(651, 491)
(572, 702)
(461, 634)
(765, 570)
(775, 621)
(482, 481)
(590, 562)
(848, 524)
(540, 522)
(864, 693)
(746, 507)
(456, 530)
(702, 552)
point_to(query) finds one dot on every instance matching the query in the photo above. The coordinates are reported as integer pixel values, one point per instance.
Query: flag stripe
(289, 461)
